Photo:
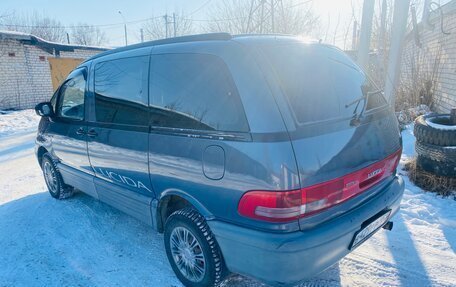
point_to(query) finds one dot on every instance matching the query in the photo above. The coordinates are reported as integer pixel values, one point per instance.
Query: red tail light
(282, 206)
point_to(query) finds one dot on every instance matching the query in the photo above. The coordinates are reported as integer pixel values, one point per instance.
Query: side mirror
(44, 109)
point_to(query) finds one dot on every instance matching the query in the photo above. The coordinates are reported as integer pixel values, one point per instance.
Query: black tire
(436, 153)
(436, 167)
(57, 189)
(429, 135)
(436, 159)
(214, 267)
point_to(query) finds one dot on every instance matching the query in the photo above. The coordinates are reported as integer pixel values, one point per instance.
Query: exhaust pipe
(388, 226)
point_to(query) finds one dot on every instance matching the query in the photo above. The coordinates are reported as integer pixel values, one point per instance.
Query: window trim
(200, 132)
(57, 113)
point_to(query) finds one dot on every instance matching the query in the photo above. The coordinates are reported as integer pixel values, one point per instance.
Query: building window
(12, 54)
(42, 58)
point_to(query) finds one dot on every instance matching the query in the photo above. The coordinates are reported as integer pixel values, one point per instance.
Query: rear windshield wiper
(356, 119)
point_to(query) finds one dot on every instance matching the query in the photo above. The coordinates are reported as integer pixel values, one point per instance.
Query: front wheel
(54, 181)
(192, 250)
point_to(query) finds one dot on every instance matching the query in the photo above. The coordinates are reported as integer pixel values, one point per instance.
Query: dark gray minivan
(266, 156)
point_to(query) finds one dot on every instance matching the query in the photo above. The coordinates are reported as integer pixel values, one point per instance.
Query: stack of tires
(436, 144)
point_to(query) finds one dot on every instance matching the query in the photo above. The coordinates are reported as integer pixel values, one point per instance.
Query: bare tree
(419, 78)
(230, 16)
(296, 19)
(37, 24)
(243, 17)
(2, 15)
(168, 26)
(85, 34)
(341, 32)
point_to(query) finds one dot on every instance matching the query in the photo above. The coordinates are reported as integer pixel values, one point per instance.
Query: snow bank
(17, 121)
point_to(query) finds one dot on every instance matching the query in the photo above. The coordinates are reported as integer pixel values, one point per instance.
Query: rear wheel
(54, 181)
(192, 250)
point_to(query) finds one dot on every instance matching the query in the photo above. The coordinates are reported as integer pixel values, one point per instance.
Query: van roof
(243, 38)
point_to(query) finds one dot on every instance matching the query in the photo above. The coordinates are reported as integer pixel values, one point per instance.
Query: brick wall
(434, 63)
(25, 79)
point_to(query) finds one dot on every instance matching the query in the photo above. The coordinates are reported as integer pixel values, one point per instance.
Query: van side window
(71, 100)
(194, 91)
(121, 91)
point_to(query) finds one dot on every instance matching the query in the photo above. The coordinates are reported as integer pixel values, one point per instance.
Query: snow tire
(436, 159)
(190, 219)
(430, 135)
(61, 190)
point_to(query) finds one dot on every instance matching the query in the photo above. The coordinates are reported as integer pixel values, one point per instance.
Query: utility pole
(250, 17)
(166, 24)
(366, 30)
(265, 11)
(125, 32)
(272, 16)
(141, 31)
(174, 23)
(401, 8)
(381, 40)
(125, 27)
(355, 35)
(262, 16)
(381, 36)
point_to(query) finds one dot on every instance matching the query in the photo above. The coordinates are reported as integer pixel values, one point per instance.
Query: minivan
(268, 156)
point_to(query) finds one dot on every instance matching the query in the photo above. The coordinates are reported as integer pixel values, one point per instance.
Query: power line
(215, 20)
(237, 18)
(299, 4)
(79, 26)
(199, 8)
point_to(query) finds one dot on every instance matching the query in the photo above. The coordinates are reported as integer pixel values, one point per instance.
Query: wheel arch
(173, 200)
(39, 154)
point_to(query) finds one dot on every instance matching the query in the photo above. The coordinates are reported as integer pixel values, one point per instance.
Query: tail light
(283, 206)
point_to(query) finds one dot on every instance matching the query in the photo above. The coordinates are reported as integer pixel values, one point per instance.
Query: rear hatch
(345, 137)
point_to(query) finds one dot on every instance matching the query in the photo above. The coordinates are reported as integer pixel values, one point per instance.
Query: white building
(26, 75)
(428, 71)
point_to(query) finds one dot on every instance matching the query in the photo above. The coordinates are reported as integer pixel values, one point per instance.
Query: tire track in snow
(363, 264)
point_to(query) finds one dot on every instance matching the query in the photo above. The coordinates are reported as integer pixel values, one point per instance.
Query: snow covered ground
(17, 121)
(83, 242)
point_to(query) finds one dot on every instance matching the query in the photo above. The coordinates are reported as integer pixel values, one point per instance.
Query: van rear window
(319, 81)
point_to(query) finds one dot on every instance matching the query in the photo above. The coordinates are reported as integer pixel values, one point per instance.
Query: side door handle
(92, 133)
(80, 131)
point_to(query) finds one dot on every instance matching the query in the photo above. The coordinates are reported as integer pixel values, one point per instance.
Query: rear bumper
(285, 259)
